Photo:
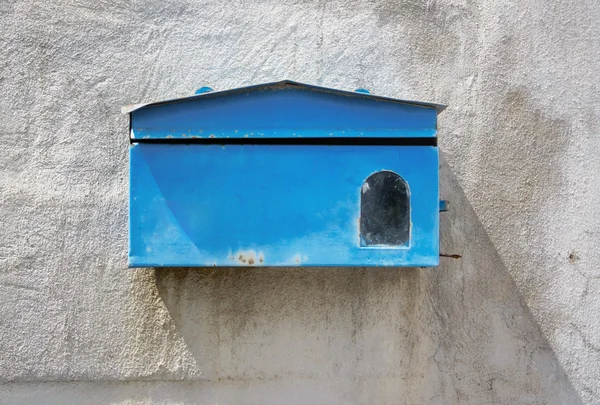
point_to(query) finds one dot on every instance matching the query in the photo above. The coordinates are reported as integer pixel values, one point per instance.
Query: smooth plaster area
(516, 320)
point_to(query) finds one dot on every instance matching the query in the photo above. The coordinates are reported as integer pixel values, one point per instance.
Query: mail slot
(283, 174)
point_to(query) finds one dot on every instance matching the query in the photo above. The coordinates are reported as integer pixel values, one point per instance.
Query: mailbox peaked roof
(283, 84)
(284, 109)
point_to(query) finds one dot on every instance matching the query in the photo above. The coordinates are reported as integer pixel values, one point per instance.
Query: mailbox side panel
(272, 205)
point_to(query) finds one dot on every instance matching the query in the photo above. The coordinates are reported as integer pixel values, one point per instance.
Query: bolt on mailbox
(284, 174)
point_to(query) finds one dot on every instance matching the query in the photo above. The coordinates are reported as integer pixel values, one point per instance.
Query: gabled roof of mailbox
(285, 84)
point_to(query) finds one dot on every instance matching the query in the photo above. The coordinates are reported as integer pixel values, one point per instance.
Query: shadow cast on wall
(458, 333)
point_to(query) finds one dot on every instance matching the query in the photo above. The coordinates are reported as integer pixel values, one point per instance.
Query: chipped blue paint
(275, 204)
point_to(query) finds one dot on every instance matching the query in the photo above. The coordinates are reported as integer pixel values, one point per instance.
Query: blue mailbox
(284, 174)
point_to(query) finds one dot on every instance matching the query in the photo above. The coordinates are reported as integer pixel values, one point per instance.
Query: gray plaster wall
(515, 321)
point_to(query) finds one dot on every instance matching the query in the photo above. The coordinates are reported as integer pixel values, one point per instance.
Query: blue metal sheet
(283, 110)
(280, 85)
(272, 205)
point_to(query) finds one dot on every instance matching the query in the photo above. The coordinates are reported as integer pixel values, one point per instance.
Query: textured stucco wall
(516, 320)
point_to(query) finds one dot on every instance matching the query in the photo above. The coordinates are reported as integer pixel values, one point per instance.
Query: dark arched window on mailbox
(384, 210)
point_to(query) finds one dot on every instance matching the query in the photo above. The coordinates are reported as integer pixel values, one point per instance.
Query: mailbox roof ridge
(280, 85)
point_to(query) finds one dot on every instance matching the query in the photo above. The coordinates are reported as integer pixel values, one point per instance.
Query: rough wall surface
(515, 321)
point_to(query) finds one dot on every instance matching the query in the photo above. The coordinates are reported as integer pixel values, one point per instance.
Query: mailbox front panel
(278, 205)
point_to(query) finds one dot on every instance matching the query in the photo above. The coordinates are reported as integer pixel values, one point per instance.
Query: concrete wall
(515, 321)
